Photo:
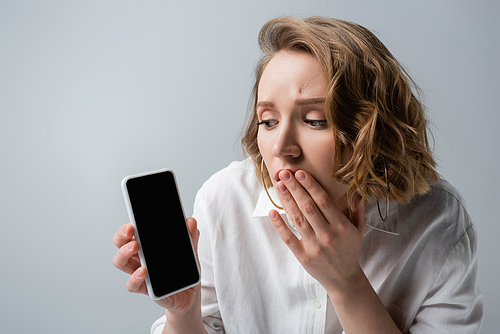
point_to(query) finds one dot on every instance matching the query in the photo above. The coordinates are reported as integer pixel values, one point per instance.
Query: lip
(277, 174)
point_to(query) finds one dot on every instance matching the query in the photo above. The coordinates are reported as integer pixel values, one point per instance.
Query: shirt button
(316, 303)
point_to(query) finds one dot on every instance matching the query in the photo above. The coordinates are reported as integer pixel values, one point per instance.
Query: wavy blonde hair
(371, 108)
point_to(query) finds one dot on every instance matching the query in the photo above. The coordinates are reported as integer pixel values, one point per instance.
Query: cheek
(259, 142)
(323, 151)
(263, 144)
(325, 165)
(322, 160)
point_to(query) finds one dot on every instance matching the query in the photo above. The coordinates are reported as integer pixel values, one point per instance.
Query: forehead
(292, 72)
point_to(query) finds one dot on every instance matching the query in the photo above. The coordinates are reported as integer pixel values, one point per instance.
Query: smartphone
(165, 249)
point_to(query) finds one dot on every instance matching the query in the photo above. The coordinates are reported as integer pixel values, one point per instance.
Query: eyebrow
(265, 104)
(300, 102)
(305, 102)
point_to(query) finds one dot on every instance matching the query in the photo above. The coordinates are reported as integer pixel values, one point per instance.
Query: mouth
(277, 174)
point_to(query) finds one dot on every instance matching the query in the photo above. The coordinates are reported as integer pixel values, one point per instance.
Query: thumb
(192, 225)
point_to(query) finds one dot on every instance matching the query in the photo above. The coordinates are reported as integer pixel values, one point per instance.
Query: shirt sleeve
(209, 304)
(455, 303)
(211, 325)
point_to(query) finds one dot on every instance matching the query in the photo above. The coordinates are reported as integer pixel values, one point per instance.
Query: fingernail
(281, 187)
(124, 230)
(138, 273)
(285, 176)
(129, 246)
(300, 176)
(273, 215)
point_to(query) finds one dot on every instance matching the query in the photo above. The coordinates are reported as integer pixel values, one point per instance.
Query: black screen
(162, 231)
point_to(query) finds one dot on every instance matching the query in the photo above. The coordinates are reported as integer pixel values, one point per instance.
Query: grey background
(92, 91)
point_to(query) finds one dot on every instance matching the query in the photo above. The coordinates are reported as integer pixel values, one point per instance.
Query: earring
(264, 184)
(387, 198)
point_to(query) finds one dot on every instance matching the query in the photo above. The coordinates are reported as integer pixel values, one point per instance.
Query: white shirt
(422, 262)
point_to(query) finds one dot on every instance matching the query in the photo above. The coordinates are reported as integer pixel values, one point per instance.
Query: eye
(317, 123)
(268, 123)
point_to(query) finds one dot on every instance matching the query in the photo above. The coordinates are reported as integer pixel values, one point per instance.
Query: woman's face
(293, 132)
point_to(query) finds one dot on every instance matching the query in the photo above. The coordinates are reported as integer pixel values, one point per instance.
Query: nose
(286, 142)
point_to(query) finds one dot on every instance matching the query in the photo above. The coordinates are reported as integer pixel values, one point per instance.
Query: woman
(338, 220)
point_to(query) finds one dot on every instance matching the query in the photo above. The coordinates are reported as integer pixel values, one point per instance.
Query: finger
(329, 210)
(295, 214)
(126, 259)
(195, 235)
(136, 283)
(286, 235)
(301, 208)
(123, 235)
(192, 225)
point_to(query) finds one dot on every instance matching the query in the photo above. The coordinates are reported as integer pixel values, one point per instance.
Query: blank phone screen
(162, 231)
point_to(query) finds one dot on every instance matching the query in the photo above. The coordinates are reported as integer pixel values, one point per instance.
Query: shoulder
(441, 214)
(443, 202)
(236, 174)
(235, 171)
(235, 183)
(451, 245)
(446, 191)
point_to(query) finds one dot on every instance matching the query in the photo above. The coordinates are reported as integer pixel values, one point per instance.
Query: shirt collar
(373, 219)
(372, 215)
(264, 205)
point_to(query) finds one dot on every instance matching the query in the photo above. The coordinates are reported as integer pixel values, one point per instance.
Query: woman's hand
(328, 250)
(127, 260)
(330, 241)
